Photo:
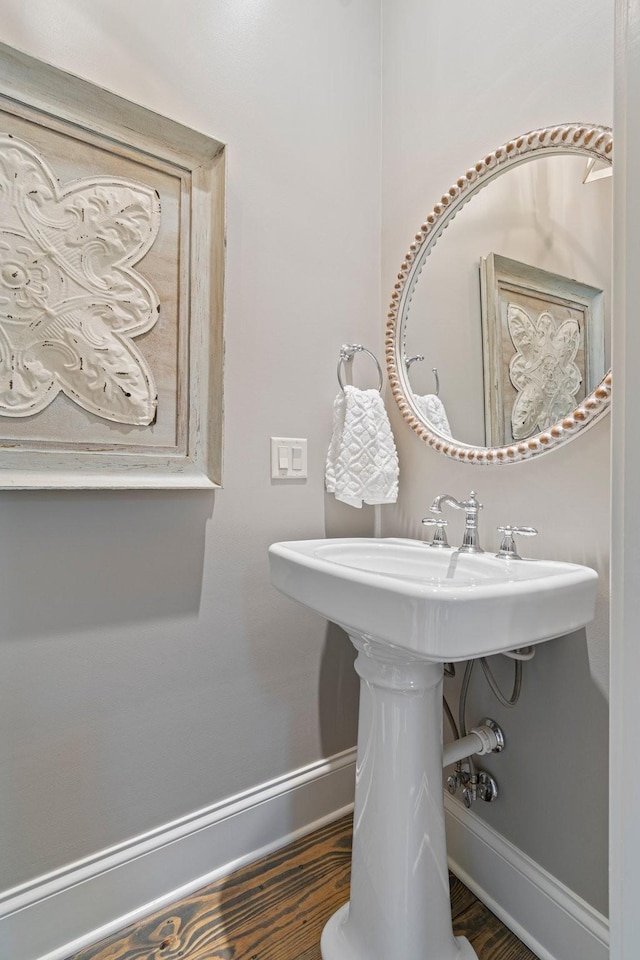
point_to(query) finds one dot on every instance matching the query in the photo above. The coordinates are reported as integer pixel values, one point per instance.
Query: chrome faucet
(470, 541)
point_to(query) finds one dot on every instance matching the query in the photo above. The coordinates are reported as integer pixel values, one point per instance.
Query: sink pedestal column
(399, 907)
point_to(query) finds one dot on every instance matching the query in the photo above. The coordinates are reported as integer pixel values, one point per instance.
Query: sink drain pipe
(487, 738)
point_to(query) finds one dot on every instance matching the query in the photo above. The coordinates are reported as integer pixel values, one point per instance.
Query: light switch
(288, 458)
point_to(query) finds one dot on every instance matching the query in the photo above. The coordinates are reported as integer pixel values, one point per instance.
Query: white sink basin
(441, 605)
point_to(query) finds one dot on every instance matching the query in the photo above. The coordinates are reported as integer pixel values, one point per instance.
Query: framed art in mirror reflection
(543, 347)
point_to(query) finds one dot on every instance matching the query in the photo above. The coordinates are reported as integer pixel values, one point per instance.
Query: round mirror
(501, 351)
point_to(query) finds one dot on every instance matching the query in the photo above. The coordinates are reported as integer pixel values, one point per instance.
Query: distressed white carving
(542, 370)
(70, 300)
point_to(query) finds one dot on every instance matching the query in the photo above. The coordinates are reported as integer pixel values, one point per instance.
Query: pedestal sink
(408, 609)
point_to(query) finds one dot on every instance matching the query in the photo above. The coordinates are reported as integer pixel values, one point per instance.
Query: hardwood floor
(275, 909)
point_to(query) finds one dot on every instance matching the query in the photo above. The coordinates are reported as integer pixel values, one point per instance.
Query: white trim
(59, 913)
(624, 777)
(545, 914)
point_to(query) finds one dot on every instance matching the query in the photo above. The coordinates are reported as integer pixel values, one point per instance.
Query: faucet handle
(508, 546)
(439, 534)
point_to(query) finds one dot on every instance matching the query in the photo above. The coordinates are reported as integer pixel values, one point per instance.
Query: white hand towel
(362, 462)
(432, 409)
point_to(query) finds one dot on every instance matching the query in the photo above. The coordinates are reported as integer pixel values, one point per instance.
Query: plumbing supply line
(491, 680)
(450, 718)
(479, 741)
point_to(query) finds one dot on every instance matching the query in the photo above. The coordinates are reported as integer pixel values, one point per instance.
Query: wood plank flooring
(275, 909)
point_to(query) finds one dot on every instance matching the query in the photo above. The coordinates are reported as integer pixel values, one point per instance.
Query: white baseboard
(548, 917)
(55, 915)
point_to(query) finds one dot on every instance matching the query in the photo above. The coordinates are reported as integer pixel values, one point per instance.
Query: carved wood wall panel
(111, 274)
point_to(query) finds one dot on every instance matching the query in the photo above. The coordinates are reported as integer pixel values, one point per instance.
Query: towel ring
(347, 352)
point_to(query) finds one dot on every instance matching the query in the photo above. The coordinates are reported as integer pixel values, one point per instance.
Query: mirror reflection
(508, 326)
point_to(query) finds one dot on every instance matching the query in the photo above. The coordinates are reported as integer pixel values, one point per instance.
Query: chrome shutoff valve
(458, 779)
(453, 782)
(482, 786)
(487, 788)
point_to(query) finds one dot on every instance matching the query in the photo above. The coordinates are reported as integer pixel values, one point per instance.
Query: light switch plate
(288, 458)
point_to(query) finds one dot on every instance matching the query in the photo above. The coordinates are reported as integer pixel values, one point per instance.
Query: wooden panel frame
(61, 102)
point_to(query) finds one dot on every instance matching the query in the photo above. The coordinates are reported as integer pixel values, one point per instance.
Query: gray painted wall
(147, 667)
(455, 86)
